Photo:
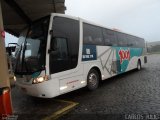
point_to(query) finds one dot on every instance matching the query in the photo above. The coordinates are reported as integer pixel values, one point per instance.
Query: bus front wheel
(92, 79)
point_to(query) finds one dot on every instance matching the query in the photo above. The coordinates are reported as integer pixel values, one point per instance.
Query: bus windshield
(31, 49)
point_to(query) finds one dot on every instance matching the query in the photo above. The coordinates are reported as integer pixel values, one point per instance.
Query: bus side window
(140, 42)
(130, 41)
(109, 37)
(122, 40)
(88, 38)
(92, 34)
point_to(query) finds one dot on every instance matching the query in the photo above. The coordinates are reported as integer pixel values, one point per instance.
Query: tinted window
(92, 34)
(121, 38)
(60, 48)
(135, 41)
(110, 37)
(66, 33)
(130, 41)
(31, 51)
(140, 42)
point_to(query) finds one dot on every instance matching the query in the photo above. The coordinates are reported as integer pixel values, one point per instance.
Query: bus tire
(139, 65)
(93, 79)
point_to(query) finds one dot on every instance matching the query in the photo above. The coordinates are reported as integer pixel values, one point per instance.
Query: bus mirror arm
(51, 32)
(52, 52)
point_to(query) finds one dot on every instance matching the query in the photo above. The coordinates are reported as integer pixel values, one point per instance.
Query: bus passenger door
(64, 53)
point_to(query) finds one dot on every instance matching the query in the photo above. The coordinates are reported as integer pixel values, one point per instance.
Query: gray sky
(137, 17)
(10, 39)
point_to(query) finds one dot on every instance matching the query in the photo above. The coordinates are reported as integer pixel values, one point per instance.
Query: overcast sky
(138, 17)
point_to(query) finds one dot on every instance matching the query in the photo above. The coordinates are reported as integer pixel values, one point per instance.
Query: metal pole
(54, 6)
(5, 99)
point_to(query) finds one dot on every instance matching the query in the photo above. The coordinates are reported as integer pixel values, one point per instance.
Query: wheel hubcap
(92, 79)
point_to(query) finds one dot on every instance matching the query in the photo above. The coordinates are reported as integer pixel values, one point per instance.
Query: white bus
(59, 53)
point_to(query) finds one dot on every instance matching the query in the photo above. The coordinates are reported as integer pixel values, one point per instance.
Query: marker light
(83, 82)
(63, 87)
(102, 76)
(40, 79)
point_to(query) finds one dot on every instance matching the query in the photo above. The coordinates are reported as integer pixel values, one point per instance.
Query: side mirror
(10, 50)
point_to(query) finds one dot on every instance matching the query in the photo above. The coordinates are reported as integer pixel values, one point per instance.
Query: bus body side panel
(128, 58)
(71, 83)
(135, 55)
(100, 57)
(110, 60)
(106, 56)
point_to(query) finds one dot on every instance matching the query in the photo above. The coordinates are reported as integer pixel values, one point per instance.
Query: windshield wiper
(24, 63)
(18, 58)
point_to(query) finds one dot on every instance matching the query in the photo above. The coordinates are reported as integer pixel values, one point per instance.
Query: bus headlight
(40, 79)
(14, 78)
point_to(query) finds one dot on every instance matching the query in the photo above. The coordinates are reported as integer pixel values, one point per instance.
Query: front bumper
(47, 89)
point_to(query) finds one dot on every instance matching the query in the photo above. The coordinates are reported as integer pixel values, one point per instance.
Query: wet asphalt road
(135, 94)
